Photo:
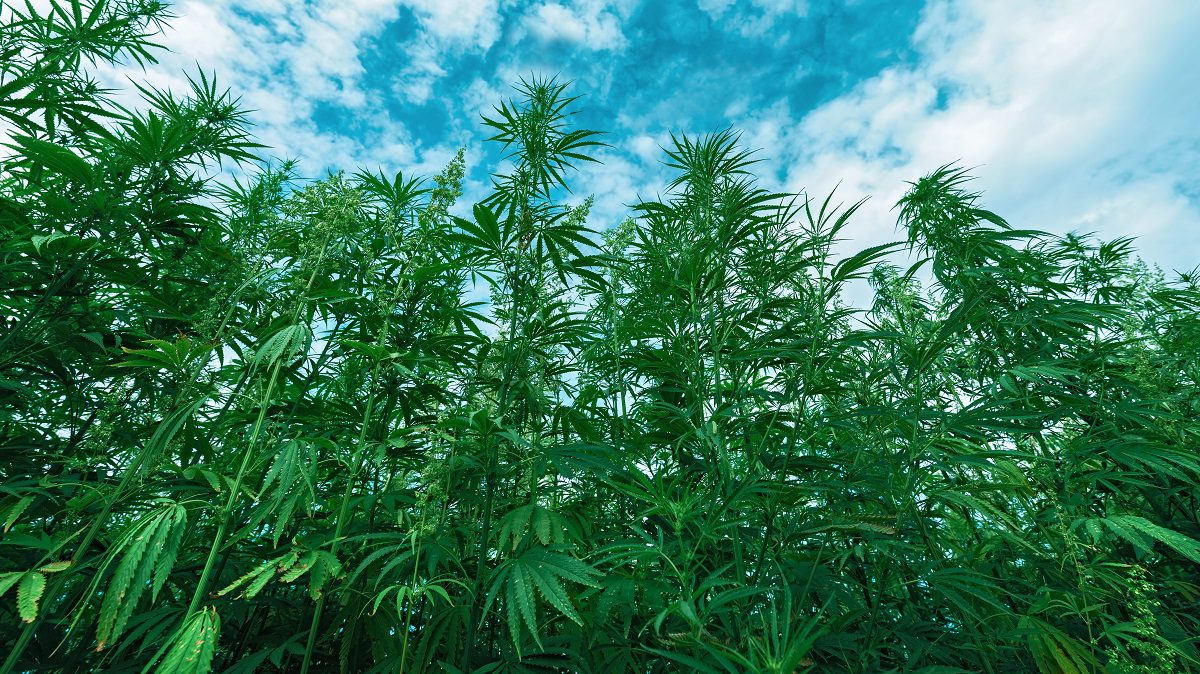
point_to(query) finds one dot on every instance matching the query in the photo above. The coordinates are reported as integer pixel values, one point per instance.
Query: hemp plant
(253, 423)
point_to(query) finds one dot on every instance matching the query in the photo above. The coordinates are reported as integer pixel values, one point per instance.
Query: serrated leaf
(298, 569)
(169, 551)
(255, 586)
(9, 579)
(57, 158)
(147, 554)
(1132, 528)
(55, 567)
(29, 593)
(267, 567)
(286, 344)
(325, 566)
(194, 646)
(14, 512)
(540, 570)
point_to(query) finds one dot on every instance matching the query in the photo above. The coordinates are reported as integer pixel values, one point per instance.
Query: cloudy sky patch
(1076, 115)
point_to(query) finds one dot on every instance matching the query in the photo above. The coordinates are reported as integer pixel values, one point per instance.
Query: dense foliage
(259, 424)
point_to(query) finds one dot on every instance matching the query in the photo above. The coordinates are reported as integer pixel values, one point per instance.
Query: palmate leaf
(396, 195)
(860, 264)
(55, 157)
(487, 238)
(57, 242)
(1055, 651)
(538, 571)
(694, 663)
(406, 595)
(1144, 457)
(31, 585)
(289, 484)
(147, 552)
(285, 345)
(976, 596)
(176, 356)
(321, 565)
(1141, 532)
(194, 645)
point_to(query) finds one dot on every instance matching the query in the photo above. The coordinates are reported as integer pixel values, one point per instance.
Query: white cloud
(314, 46)
(619, 181)
(1078, 115)
(648, 148)
(473, 23)
(423, 71)
(200, 31)
(481, 96)
(286, 59)
(448, 27)
(587, 24)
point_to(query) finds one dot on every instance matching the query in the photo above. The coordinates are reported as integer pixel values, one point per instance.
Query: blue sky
(1077, 114)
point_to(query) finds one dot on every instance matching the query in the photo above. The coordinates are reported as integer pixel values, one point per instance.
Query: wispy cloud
(753, 18)
(1077, 114)
(587, 24)
(292, 63)
(446, 29)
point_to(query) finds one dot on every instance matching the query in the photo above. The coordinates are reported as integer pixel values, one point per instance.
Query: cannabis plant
(253, 423)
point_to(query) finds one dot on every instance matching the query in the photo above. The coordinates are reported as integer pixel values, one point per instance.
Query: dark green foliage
(257, 425)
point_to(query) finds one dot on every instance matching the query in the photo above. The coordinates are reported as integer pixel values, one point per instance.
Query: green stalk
(343, 515)
(264, 404)
(219, 539)
(418, 548)
(356, 467)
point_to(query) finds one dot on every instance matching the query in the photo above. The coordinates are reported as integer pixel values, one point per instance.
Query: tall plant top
(268, 425)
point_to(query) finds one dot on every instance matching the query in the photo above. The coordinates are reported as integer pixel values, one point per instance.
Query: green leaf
(287, 344)
(9, 579)
(1136, 529)
(147, 553)
(14, 512)
(542, 569)
(29, 593)
(56, 158)
(194, 645)
(55, 567)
